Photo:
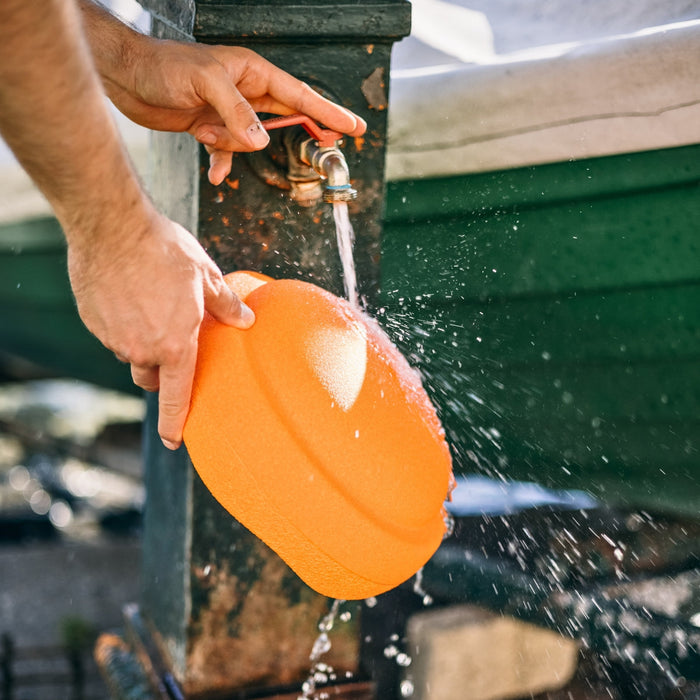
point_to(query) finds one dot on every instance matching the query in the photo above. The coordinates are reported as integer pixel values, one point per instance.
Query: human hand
(145, 301)
(214, 92)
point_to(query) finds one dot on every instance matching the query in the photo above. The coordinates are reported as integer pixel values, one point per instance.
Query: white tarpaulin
(469, 94)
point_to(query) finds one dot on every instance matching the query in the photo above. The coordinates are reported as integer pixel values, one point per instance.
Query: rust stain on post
(250, 635)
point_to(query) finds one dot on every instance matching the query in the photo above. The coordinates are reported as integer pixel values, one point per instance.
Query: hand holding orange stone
(312, 430)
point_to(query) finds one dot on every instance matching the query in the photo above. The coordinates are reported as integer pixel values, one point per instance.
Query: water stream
(346, 239)
(320, 673)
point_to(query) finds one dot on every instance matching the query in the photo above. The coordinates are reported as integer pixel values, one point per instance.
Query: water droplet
(403, 659)
(406, 689)
(391, 651)
(449, 524)
(328, 620)
(320, 677)
(321, 646)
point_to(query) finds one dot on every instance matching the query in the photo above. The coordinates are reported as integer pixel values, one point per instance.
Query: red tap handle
(325, 137)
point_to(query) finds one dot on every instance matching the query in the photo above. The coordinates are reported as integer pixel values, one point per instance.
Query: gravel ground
(70, 499)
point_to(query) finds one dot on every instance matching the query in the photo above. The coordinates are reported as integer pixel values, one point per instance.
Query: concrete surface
(466, 652)
(42, 585)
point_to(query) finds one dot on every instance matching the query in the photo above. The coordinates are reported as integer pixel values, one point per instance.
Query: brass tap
(316, 165)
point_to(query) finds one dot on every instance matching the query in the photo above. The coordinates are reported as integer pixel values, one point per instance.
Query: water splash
(419, 590)
(322, 673)
(346, 240)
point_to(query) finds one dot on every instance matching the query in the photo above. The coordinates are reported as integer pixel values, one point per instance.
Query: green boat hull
(39, 321)
(554, 312)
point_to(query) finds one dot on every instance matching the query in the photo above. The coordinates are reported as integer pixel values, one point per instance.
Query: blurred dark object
(21, 527)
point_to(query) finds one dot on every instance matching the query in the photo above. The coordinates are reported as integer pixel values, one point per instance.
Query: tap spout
(329, 162)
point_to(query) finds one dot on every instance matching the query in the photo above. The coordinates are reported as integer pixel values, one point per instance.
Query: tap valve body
(320, 152)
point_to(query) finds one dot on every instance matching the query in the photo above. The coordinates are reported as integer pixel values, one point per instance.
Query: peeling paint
(374, 89)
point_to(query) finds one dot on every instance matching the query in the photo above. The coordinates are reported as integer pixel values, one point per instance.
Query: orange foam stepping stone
(313, 431)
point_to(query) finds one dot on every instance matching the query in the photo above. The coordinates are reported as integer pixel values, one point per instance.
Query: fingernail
(207, 138)
(259, 138)
(247, 316)
(215, 177)
(170, 444)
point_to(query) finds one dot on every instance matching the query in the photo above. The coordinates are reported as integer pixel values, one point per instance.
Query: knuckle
(139, 356)
(169, 408)
(241, 107)
(306, 94)
(172, 351)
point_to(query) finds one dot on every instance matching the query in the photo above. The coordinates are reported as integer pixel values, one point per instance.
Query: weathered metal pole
(225, 612)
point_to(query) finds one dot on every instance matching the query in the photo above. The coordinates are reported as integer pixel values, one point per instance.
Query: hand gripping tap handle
(325, 137)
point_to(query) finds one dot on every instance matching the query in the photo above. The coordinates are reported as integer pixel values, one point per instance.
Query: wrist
(100, 250)
(109, 218)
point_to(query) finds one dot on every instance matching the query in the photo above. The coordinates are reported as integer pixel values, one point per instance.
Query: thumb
(227, 308)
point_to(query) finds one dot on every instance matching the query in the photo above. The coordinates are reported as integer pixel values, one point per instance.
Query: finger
(216, 137)
(238, 116)
(174, 397)
(219, 166)
(226, 307)
(302, 98)
(285, 93)
(145, 377)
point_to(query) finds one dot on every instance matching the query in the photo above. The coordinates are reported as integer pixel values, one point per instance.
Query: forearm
(114, 45)
(54, 117)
